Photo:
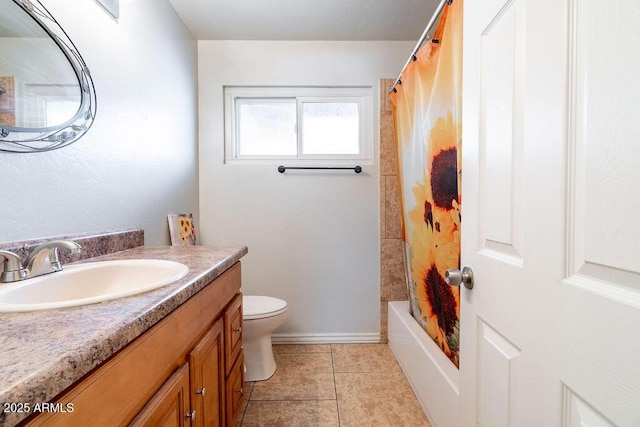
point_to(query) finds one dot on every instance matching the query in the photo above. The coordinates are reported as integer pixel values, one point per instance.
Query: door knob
(455, 277)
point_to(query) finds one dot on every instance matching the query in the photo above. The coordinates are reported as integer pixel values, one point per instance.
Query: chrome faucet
(43, 259)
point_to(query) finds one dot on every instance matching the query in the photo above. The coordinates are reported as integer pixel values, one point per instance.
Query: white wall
(138, 162)
(313, 238)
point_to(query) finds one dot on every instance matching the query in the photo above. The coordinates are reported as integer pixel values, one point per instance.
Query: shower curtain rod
(421, 40)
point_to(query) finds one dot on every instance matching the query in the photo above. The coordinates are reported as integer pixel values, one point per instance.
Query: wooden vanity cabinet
(233, 332)
(235, 388)
(187, 370)
(169, 405)
(234, 357)
(207, 378)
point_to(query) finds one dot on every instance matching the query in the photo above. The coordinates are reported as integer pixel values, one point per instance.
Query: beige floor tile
(363, 358)
(301, 376)
(302, 348)
(384, 399)
(319, 413)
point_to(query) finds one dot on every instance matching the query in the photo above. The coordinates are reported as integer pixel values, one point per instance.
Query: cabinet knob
(191, 415)
(240, 391)
(202, 392)
(239, 330)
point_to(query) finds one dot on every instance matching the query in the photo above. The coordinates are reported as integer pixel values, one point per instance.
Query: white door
(551, 206)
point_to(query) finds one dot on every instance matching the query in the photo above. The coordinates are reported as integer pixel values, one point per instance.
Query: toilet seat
(261, 307)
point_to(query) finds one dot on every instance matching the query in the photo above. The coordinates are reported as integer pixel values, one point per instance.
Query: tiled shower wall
(392, 272)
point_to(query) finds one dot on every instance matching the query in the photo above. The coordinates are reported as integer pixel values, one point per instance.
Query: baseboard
(373, 337)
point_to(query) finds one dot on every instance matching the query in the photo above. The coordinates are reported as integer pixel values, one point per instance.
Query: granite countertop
(44, 352)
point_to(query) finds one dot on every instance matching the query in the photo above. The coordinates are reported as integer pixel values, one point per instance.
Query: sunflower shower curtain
(427, 112)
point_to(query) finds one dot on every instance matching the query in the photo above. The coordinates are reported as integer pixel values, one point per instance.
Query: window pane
(266, 127)
(330, 128)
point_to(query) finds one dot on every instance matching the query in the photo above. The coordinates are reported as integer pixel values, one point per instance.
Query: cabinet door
(207, 378)
(235, 390)
(233, 331)
(169, 406)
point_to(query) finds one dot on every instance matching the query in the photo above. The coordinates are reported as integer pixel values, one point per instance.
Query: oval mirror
(47, 98)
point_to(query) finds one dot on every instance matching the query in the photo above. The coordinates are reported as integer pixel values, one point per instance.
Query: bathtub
(432, 376)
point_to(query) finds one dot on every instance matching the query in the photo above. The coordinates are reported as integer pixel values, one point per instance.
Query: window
(265, 127)
(310, 125)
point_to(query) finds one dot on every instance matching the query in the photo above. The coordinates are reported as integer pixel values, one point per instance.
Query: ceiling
(305, 19)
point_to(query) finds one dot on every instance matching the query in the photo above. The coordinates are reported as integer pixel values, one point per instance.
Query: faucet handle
(12, 267)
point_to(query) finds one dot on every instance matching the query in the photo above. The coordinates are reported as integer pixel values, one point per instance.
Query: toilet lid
(259, 307)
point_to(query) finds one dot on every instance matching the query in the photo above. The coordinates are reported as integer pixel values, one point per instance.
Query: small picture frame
(182, 229)
(112, 7)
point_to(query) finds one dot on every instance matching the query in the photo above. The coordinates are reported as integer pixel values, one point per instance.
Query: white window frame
(360, 95)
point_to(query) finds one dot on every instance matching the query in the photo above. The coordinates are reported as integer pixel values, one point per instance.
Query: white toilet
(260, 317)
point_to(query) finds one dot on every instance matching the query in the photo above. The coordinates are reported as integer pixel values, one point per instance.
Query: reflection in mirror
(47, 99)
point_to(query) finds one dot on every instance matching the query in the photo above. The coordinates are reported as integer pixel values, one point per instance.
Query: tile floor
(332, 385)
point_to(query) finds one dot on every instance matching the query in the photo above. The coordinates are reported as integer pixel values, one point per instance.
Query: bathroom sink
(89, 283)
